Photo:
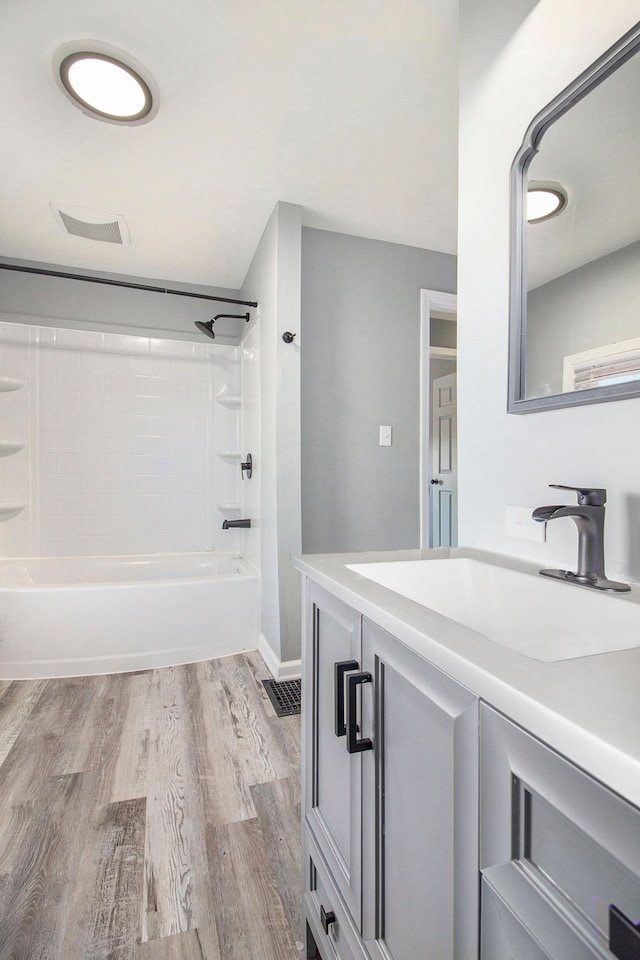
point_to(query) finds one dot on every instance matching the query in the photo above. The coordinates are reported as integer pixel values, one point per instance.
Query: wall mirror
(575, 272)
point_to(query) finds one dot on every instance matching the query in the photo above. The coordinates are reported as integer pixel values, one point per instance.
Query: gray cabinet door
(332, 777)
(419, 807)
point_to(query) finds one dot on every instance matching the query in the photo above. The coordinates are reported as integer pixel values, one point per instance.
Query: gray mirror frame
(620, 52)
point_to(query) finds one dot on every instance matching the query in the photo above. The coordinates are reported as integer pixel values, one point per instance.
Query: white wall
(251, 441)
(123, 443)
(274, 281)
(514, 59)
(17, 533)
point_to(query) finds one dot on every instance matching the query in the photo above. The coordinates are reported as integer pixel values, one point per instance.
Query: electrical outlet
(518, 523)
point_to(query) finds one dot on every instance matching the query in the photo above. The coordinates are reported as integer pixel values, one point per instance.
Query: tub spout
(230, 524)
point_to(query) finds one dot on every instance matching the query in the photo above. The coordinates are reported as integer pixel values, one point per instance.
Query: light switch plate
(518, 523)
(385, 436)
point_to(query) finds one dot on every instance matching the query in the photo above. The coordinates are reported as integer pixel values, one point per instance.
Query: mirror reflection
(583, 258)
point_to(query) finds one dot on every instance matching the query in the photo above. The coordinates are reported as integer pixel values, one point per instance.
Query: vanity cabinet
(435, 826)
(557, 850)
(390, 828)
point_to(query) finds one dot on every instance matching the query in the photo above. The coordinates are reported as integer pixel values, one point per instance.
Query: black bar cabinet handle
(624, 935)
(353, 744)
(340, 669)
(326, 918)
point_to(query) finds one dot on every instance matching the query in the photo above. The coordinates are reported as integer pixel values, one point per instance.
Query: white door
(444, 466)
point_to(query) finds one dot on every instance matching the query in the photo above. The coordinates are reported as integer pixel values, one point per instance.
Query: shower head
(206, 328)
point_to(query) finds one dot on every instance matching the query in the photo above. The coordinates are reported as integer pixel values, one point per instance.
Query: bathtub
(62, 617)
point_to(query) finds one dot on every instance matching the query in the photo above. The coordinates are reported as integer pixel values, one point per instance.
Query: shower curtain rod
(124, 283)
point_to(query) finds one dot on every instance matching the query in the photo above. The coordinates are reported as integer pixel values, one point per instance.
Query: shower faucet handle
(247, 467)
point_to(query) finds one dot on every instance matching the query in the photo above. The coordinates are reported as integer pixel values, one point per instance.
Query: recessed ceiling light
(544, 201)
(104, 85)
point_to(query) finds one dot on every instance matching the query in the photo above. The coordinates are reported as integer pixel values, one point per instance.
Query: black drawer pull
(353, 744)
(624, 935)
(340, 669)
(326, 919)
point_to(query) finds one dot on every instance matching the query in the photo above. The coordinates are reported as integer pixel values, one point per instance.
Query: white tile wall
(123, 433)
(16, 481)
(224, 435)
(250, 390)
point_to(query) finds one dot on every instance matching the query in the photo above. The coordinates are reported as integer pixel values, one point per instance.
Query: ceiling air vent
(91, 224)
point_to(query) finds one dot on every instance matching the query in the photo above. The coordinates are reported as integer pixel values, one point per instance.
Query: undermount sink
(540, 618)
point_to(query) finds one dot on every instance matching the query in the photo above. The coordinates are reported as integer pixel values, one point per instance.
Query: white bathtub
(68, 617)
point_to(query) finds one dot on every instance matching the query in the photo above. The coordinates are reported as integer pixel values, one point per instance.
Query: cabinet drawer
(508, 926)
(321, 901)
(576, 841)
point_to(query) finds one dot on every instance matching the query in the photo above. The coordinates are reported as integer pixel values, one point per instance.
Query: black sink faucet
(589, 519)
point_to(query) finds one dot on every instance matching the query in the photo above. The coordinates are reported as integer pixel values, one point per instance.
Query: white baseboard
(281, 669)
(268, 655)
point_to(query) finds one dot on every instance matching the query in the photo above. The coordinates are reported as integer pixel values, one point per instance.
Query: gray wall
(443, 333)
(359, 369)
(77, 304)
(586, 308)
(440, 368)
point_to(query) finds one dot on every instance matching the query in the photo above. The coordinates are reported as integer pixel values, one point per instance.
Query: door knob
(433, 480)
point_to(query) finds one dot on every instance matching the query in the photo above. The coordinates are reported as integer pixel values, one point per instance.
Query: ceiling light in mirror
(575, 281)
(106, 87)
(544, 202)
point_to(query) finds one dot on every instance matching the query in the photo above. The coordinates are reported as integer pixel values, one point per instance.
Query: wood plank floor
(149, 816)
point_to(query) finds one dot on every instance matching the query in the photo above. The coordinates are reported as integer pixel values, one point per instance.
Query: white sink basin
(543, 619)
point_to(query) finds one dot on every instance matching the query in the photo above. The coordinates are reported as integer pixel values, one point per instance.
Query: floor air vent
(285, 695)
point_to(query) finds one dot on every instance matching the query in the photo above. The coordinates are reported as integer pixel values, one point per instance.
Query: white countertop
(586, 708)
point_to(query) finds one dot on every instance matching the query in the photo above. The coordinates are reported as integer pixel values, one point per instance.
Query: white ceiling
(347, 107)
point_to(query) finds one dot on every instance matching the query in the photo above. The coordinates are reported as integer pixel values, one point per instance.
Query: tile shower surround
(122, 433)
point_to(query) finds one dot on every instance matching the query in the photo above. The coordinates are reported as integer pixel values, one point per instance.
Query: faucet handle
(587, 496)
